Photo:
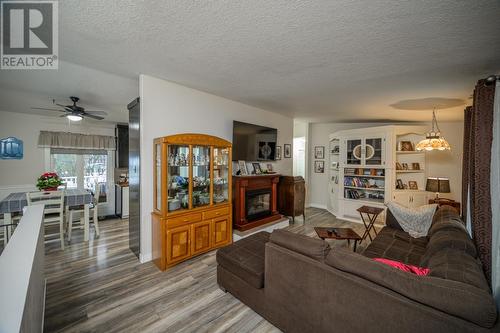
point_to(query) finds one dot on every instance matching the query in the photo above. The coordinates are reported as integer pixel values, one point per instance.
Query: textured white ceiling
(319, 60)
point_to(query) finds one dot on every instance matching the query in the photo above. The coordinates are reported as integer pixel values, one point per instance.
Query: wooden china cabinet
(192, 197)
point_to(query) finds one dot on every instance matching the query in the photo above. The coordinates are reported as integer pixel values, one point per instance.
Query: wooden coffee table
(338, 233)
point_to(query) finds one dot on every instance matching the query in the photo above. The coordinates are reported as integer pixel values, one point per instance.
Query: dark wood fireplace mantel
(242, 184)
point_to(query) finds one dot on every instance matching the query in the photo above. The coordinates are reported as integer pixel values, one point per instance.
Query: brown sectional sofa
(301, 285)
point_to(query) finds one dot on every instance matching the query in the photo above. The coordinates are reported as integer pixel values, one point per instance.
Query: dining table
(15, 202)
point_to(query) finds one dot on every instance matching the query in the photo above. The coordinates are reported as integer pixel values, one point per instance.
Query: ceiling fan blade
(63, 106)
(91, 116)
(48, 109)
(95, 113)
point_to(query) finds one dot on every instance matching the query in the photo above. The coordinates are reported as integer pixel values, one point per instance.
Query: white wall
(168, 108)
(21, 175)
(439, 164)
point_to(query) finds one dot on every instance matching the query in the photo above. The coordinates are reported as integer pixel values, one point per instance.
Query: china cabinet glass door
(178, 177)
(158, 175)
(221, 175)
(201, 176)
(373, 151)
(353, 151)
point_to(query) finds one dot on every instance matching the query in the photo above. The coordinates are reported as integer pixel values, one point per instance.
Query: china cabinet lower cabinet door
(178, 244)
(200, 234)
(221, 231)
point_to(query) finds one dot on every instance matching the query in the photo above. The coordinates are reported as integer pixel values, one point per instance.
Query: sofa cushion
(245, 258)
(455, 298)
(311, 247)
(396, 245)
(446, 217)
(449, 238)
(456, 265)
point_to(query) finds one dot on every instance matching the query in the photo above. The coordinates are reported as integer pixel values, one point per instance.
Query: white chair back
(53, 201)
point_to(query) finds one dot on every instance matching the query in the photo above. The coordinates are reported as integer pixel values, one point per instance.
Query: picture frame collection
(405, 166)
(319, 156)
(256, 167)
(412, 185)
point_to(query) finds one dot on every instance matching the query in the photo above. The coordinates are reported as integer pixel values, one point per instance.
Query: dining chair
(93, 207)
(6, 230)
(53, 210)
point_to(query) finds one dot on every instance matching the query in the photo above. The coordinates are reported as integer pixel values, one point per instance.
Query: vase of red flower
(49, 181)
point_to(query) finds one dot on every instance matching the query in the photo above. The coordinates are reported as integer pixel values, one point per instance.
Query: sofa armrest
(311, 247)
(455, 298)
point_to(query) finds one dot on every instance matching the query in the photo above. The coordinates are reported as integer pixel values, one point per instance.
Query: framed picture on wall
(319, 166)
(278, 153)
(288, 150)
(399, 184)
(319, 152)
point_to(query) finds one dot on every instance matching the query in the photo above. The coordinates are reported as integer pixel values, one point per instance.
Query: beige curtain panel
(75, 141)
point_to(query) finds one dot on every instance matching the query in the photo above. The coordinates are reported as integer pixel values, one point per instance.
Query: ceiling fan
(75, 112)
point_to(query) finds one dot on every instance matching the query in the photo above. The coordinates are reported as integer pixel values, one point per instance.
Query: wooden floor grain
(100, 286)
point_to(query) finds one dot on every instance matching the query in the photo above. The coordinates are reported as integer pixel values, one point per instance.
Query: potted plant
(49, 181)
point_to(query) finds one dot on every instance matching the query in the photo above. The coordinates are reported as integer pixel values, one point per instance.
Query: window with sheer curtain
(83, 161)
(82, 168)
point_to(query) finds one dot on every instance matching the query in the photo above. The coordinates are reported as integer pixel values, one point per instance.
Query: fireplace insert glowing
(257, 204)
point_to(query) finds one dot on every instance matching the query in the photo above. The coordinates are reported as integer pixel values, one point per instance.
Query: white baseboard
(314, 205)
(146, 257)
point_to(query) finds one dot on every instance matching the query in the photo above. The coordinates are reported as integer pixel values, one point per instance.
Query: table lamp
(438, 185)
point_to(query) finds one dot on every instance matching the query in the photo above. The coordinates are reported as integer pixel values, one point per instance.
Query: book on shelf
(365, 171)
(356, 195)
(363, 182)
(353, 194)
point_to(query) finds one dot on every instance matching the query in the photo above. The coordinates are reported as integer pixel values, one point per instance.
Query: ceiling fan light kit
(433, 139)
(74, 117)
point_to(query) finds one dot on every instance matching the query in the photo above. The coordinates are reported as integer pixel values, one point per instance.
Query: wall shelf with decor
(409, 170)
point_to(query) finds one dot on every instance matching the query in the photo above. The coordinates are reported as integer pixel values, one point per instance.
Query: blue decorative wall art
(11, 149)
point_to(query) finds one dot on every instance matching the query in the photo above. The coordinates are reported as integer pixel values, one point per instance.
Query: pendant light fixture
(433, 140)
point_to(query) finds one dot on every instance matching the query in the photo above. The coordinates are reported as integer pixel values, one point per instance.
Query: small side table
(338, 233)
(443, 202)
(371, 213)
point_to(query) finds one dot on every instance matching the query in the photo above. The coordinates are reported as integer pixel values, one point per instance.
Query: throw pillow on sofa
(415, 221)
(404, 267)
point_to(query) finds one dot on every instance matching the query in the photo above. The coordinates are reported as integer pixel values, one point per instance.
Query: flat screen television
(254, 142)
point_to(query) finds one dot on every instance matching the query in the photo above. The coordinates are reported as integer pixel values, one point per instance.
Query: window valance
(49, 139)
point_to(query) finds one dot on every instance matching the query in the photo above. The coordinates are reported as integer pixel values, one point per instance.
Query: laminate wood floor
(100, 286)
